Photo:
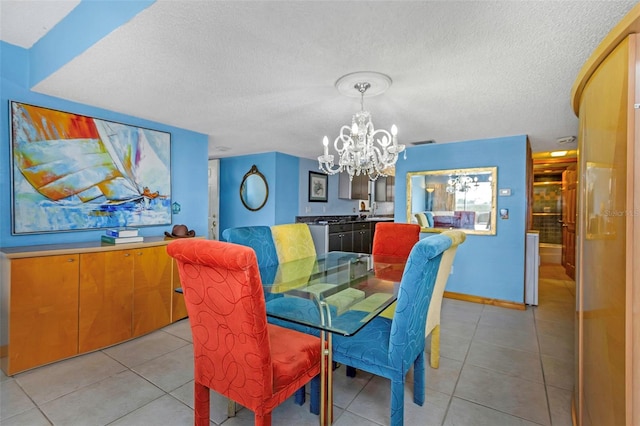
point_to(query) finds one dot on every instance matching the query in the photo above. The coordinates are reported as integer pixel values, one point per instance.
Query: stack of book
(122, 235)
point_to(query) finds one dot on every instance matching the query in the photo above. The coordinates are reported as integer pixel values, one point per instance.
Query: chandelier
(461, 183)
(361, 148)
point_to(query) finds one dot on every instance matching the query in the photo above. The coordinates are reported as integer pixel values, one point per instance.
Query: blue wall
(485, 266)
(281, 172)
(188, 156)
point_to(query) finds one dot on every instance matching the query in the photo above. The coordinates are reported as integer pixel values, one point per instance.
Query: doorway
(554, 210)
(214, 199)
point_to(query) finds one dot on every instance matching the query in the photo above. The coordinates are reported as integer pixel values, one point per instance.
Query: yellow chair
(293, 241)
(433, 316)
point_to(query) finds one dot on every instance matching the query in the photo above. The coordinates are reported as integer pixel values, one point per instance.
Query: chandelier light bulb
(394, 130)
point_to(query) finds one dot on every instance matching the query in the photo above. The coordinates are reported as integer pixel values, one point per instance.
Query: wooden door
(106, 299)
(569, 185)
(43, 319)
(152, 287)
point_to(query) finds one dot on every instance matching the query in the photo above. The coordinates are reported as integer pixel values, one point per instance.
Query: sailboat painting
(72, 172)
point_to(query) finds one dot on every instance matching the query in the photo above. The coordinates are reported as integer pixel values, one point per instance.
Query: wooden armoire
(606, 98)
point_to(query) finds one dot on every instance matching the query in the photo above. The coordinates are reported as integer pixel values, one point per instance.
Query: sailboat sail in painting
(73, 172)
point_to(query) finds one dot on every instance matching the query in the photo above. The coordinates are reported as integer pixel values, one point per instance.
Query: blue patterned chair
(387, 347)
(259, 238)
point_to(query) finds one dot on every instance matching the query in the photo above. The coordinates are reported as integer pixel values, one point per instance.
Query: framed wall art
(72, 172)
(318, 186)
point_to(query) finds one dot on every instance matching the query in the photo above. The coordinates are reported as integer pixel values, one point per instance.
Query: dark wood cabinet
(385, 189)
(341, 237)
(355, 189)
(362, 237)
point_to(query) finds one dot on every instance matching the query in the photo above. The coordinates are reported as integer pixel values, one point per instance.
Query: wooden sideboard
(63, 300)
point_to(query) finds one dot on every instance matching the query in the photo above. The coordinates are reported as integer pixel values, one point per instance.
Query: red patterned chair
(236, 352)
(395, 239)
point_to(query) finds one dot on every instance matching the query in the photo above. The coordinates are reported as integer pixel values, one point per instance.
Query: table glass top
(338, 292)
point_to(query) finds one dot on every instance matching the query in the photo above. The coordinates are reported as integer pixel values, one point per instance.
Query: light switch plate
(504, 192)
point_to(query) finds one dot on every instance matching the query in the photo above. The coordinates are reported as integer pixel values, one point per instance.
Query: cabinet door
(390, 188)
(335, 241)
(347, 241)
(152, 289)
(43, 317)
(360, 187)
(362, 241)
(178, 308)
(106, 298)
(355, 189)
(380, 192)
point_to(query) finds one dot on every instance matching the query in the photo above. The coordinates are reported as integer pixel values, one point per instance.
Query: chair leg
(300, 396)
(397, 402)
(435, 347)
(418, 379)
(314, 405)
(201, 405)
(231, 408)
(264, 420)
(351, 371)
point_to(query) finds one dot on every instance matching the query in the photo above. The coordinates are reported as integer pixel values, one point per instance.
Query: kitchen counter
(342, 233)
(327, 220)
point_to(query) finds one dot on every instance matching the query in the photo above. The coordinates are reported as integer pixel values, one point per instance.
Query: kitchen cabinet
(356, 236)
(67, 299)
(384, 189)
(42, 323)
(362, 237)
(341, 237)
(356, 189)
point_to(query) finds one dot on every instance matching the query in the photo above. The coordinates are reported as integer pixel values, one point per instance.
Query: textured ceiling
(259, 76)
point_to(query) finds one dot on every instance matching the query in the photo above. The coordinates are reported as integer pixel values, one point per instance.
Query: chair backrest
(258, 238)
(433, 316)
(416, 288)
(422, 220)
(293, 241)
(227, 314)
(395, 239)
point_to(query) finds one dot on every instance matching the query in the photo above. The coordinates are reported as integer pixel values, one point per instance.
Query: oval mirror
(254, 190)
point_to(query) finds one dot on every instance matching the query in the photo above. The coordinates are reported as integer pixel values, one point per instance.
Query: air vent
(566, 140)
(423, 142)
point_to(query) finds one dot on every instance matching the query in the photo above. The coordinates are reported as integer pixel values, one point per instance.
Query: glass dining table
(336, 292)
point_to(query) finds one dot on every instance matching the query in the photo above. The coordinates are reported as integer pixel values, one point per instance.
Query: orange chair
(395, 239)
(236, 352)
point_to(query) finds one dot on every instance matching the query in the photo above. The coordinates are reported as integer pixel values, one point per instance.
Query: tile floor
(498, 367)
